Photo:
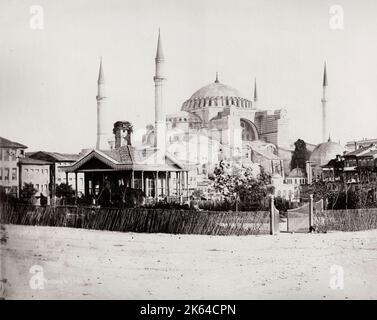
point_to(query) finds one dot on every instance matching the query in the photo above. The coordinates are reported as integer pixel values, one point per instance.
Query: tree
(300, 155)
(340, 196)
(282, 204)
(65, 191)
(198, 193)
(27, 193)
(243, 188)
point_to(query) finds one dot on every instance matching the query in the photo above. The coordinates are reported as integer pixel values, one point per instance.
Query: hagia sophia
(216, 123)
(177, 155)
(219, 123)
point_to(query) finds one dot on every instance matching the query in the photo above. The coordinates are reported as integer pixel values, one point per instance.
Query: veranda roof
(125, 158)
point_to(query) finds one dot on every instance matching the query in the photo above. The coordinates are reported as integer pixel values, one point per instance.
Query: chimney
(122, 131)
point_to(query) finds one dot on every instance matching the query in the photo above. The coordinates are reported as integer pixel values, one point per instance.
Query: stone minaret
(324, 101)
(159, 82)
(101, 105)
(255, 93)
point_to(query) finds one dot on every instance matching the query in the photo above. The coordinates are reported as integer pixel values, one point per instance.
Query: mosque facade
(217, 123)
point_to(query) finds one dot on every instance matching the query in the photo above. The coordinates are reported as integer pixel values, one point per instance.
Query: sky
(48, 76)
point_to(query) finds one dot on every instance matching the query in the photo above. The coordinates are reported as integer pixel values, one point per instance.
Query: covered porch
(110, 183)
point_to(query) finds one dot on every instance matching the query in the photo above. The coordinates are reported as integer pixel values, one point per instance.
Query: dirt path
(85, 264)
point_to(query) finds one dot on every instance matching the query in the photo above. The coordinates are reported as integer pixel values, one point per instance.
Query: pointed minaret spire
(325, 76)
(255, 90)
(160, 52)
(217, 78)
(160, 115)
(329, 140)
(101, 77)
(102, 124)
(324, 105)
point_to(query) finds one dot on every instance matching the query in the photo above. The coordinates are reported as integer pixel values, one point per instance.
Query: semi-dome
(216, 95)
(325, 151)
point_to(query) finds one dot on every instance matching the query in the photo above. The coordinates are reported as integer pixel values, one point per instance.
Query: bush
(27, 193)
(282, 204)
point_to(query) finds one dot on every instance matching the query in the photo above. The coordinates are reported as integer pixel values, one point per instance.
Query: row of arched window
(217, 102)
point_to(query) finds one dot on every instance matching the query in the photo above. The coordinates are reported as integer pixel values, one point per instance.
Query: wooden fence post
(287, 220)
(272, 215)
(311, 212)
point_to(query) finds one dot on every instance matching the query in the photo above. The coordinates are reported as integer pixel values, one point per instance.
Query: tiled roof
(371, 141)
(28, 160)
(267, 154)
(370, 153)
(285, 149)
(260, 147)
(127, 158)
(5, 143)
(334, 163)
(123, 155)
(363, 151)
(59, 157)
(356, 152)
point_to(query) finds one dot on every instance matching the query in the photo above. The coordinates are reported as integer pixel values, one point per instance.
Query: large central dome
(216, 95)
(216, 89)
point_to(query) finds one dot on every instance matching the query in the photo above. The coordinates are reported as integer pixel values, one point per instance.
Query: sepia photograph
(188, 150)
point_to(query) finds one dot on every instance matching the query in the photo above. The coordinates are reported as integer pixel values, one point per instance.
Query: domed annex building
(321, 156)
(218, 122)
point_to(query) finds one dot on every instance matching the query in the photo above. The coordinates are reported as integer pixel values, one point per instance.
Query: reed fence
(345, 220)
(139, 219)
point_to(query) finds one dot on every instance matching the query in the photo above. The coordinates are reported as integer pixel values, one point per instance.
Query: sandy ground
(86, 264)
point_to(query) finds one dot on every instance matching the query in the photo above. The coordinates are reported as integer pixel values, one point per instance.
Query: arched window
(248, 132)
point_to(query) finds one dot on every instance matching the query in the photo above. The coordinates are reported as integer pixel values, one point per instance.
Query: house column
(66, 178)
(179, 183)
(86, 184)
(187, 184)
(53, 182)
(76, 184)
(282, 168)
(156, 186)
(167, 184)
(133, 179)
(19, 178)
(176, 183)
(90, 185)
(142, 181)
(181, 177)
